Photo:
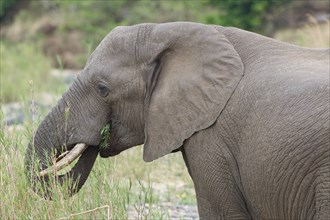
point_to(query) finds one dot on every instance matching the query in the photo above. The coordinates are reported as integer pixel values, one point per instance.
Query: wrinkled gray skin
(250, 115)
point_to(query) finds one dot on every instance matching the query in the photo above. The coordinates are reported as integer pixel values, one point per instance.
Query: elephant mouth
(65, 159)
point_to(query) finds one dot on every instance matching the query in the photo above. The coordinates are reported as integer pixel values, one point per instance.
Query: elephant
(250, 115)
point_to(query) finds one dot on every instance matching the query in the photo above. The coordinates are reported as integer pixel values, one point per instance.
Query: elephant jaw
(65, 159)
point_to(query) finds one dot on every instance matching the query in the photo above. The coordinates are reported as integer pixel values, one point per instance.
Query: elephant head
(154, 84)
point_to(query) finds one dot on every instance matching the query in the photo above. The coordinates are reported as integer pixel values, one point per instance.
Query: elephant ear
(196, 70)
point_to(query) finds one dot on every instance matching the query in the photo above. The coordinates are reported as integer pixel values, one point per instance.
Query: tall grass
(116, 186)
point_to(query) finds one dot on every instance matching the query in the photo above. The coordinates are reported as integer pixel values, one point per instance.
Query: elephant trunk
(51, 139)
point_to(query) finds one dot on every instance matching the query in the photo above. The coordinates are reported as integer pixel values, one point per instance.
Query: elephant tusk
(61, 156)
(66, 160)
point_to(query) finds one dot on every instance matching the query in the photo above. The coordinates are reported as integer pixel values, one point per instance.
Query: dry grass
(114, 185)
(312, 34)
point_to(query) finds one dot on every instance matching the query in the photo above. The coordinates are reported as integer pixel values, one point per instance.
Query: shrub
(4, 5)
(253, 15)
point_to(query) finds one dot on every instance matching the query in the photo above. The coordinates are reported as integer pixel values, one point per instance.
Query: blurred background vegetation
(43, 34)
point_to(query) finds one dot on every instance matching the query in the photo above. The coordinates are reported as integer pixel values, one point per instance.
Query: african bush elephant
(250, 115)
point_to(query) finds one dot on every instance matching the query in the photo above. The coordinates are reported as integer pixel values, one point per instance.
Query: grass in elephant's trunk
(105, 136)
(107, 185)
(68, 157)
(65, 159)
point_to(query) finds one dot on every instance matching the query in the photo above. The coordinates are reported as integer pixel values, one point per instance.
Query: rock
(16, 113)
(67, 75)
(13, 113)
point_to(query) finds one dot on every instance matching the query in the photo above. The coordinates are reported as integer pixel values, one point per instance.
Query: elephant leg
(204, 207)
(218, 196)
(322, 195)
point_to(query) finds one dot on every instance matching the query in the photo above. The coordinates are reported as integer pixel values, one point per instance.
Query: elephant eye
(102, 90)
